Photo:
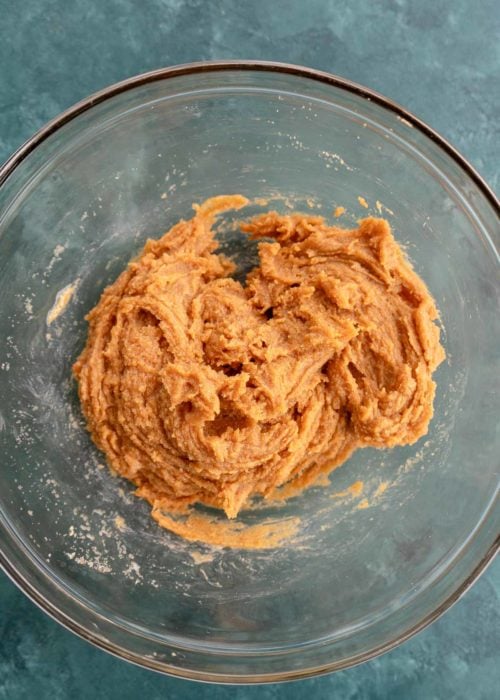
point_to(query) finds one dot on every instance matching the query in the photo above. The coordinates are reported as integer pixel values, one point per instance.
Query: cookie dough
(201, 390)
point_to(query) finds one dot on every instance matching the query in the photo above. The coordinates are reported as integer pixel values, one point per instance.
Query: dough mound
(201, 390)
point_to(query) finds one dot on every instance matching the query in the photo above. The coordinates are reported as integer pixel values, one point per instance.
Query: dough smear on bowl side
(201, 390)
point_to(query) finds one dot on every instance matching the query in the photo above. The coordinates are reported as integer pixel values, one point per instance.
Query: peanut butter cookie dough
(201, 390)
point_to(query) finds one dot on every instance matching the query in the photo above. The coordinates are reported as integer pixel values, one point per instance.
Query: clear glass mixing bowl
(368, 569)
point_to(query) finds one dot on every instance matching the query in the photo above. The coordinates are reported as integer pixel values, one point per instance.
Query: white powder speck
(56, 256)
(330, 157)
(134, 569)
(201, 558)
(119, 522)
(96, 565)
(63, 297)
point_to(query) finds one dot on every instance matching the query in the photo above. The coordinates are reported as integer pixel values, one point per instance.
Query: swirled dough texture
(199, 389)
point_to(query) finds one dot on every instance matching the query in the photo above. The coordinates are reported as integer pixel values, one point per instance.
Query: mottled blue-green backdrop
(439, 58)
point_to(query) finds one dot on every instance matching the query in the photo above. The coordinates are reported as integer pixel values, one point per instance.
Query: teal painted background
(439, 58)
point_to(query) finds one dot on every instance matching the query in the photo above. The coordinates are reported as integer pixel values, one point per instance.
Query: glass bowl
(372, 563)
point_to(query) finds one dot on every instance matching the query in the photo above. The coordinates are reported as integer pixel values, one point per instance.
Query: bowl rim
(245, 65)
(324, 77)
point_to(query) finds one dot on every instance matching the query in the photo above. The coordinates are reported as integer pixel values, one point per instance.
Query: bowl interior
(367, 564)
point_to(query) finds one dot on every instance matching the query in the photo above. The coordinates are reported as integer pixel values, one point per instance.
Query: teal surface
(440, 59)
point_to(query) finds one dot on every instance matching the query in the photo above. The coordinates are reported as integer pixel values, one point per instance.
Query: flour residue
(101, 549)
(201, 557)
(381, 488)
(94, 564)
(339, 211)
(134, 570)
(363, 202)
(352, 491)
(82, 547)
(260, 201)
(334, 158)
(56, 256)
(63, 297)
(119, 523)
(382, 208)
(375, 497)
(196, 527)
